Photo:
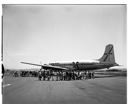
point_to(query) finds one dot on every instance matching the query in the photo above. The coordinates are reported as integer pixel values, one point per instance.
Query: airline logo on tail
(108, 55)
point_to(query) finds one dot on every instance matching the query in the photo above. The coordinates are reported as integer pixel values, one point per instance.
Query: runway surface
(107, 90)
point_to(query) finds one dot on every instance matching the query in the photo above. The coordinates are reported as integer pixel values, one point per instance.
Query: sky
(43, 34)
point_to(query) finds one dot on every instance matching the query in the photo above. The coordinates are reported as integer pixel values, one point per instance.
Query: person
(84, 75)
(90, 75)
(39, 75)
(75, 75)
(44, 75)
(52, 75)
(60, 75)
(48, 75)
(64, 75)
(15, 74)
(87, 75)
(67, 76)
(3, 70)
(93, 75)
(57, 76)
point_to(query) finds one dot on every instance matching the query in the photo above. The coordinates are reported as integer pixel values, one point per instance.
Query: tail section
(108, 55)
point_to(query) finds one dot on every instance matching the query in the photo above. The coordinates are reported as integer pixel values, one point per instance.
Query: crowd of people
(47, 75)
(25, 74)
(64, 75)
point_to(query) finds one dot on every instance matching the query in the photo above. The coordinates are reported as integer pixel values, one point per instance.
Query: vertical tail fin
(108, 55)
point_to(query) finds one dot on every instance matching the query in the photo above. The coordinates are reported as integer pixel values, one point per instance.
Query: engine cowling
(76, 65)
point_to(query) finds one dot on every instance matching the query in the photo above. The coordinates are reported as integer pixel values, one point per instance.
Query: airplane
(106, 61)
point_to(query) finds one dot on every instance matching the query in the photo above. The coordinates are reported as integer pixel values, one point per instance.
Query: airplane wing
(47, 66)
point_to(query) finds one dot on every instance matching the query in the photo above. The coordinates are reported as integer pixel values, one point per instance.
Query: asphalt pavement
(107, 90)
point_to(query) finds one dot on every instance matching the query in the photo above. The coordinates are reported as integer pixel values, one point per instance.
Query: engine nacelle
(76, 65)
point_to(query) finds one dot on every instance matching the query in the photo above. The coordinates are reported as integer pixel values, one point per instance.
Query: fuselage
(84, 65)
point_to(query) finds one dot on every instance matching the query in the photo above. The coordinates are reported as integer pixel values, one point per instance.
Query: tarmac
(28, 90)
